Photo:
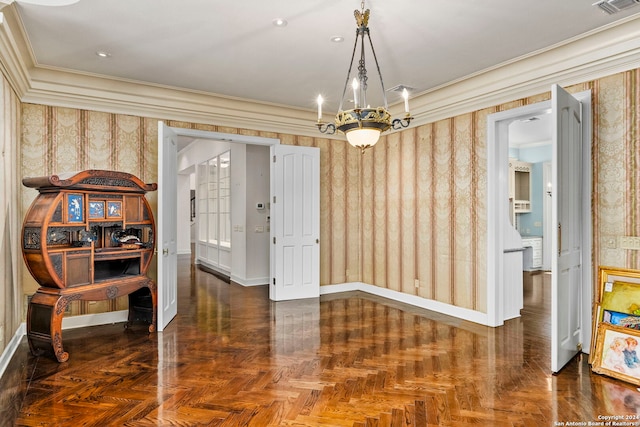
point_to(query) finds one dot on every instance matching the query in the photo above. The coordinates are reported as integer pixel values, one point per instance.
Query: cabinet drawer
(534, 242)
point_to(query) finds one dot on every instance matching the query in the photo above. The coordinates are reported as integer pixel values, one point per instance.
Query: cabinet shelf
(519, 187)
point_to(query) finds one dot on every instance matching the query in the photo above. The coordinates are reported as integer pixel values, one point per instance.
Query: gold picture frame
(607, 278)
(616, 355)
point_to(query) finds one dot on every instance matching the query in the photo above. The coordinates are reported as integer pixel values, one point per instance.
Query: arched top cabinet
(88, 227)
(87, 236)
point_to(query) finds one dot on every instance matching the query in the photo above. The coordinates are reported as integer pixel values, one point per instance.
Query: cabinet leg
(44, 325)
(58, 351)
(60, 307)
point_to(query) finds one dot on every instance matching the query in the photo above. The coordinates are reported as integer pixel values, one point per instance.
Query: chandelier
(362, 124)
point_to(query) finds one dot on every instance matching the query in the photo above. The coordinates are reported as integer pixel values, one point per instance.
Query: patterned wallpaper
(411, 209)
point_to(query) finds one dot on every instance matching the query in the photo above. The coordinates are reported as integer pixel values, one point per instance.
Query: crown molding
(63, 88)
(602, 52)
(15, 58)
(608, 50)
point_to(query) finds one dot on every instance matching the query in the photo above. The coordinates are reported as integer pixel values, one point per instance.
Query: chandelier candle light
(362, 124)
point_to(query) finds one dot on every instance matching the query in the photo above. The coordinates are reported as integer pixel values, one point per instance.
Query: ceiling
(232, 48)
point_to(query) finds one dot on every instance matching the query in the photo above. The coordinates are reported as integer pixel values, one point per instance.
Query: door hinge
(274, 281)
(274, 199)
(274, 158)
(274, 240)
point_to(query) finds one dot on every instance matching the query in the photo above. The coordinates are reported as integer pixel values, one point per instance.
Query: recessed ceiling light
(337, 39)
(103, 54)
(530, 119)
(279, 22)
(49, 2)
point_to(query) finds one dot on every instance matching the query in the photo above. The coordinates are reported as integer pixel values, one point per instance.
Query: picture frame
(75, 208)
(96, 209)
(114, 209)
(616, 353)
(608, 285)
(615, 274)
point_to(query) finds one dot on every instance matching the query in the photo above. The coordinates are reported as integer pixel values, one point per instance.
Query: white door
(167, 225)
(566, 243)
(295, 225)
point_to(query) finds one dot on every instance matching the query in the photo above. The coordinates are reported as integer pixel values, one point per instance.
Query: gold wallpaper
(412, 210)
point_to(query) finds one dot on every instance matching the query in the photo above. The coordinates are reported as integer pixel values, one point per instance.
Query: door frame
(497, 205)
(172, 181)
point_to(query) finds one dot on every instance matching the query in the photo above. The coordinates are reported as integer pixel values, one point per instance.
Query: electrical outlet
(630, 242)
(416, 283)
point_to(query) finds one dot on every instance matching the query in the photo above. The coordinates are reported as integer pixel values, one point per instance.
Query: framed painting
(607, 276)
(616, 353)
(75, 208)
(96, 209)
(618, 291)
(114, 209)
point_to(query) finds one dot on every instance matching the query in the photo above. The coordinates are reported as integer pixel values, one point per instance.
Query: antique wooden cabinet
(88, 235)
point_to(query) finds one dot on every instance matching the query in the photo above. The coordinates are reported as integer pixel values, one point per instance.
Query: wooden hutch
(87, 236)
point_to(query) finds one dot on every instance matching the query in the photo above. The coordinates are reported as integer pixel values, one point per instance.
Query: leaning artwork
(617, 353)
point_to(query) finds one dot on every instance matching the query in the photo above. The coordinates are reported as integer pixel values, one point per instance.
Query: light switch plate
(630, 242)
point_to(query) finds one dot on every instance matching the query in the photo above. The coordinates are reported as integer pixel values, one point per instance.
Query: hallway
(233, 358)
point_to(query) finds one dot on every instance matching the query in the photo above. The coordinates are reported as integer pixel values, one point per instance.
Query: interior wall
(183, 241)
(412, 207)
(258, 191)
(10, 219)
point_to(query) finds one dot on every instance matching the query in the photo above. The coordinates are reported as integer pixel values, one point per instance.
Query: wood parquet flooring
(233, 358)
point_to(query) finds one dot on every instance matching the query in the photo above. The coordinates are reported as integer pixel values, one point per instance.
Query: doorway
(502, 235)
(284, 229)
(229, 176)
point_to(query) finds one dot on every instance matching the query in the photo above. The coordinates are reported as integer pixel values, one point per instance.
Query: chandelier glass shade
(363, 125)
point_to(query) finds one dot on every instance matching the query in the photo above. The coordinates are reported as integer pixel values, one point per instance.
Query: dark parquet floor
(233, 358)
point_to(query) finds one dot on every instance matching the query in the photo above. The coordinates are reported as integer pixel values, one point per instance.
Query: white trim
(250, 282)
(428, 304)
(216, 268)
(83, 320)
(11, 348)
(497, 167)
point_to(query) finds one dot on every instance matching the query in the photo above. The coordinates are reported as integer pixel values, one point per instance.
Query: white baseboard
(70, 322)
(250, 282)
(439, 307)
(11, 348)
(218, 269)
(84, 320)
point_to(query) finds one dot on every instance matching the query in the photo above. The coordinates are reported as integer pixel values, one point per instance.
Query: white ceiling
(232, 48)
(531, 130)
